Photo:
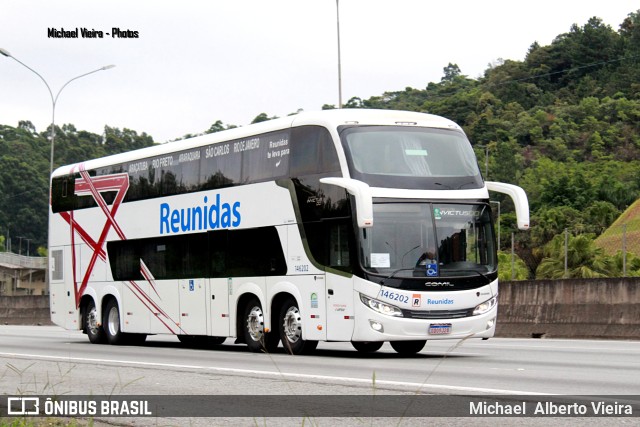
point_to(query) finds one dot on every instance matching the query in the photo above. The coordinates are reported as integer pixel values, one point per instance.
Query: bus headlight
(485, 306)
(381, 307)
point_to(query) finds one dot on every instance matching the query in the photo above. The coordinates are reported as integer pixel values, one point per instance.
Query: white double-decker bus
(343, 225)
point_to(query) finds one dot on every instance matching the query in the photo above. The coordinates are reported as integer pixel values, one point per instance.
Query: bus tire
(253, 328)
(92, 327)
(111, 323)
(408, 347)
(291, 329)
(367, 346)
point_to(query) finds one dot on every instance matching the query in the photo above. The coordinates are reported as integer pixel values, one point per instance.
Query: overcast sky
(195, 62)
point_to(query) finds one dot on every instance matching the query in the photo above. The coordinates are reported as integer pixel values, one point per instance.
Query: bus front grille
(437, 314)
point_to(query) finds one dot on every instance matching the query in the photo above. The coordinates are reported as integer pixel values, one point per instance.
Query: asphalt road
(51, 361)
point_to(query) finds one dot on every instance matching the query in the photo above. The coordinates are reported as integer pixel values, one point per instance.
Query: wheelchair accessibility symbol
(432, 270)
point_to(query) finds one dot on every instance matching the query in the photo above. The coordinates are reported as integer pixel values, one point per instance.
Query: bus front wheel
(291, 329)
(408, 347)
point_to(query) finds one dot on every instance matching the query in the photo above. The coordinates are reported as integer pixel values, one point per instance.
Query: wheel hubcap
(292, 324)
(255, 324)
(114, 321)
(92, 323)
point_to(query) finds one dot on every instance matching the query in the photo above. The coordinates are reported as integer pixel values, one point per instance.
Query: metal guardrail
(23, 261)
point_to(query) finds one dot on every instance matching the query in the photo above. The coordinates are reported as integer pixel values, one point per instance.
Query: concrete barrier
(571, 308)
(25, 310)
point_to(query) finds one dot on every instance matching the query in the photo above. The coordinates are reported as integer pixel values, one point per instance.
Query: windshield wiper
(472, 271)
(394, 273)
(448, 187)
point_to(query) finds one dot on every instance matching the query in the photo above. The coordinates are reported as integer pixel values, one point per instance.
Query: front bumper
(368, 321)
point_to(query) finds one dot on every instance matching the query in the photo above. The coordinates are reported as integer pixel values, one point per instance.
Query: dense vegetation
(24, 172)
(564, 124)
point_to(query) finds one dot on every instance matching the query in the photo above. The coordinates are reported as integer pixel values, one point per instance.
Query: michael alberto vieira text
(550, 408)
(85, 33)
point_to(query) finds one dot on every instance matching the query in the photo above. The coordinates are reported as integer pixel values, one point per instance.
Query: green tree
(451, 72)
(584, 259)
(511, 270)
(218, 126)
(549, 222)
(119, 141)
(629, 267)
(262, 117)
(599, 216)
(27, 125)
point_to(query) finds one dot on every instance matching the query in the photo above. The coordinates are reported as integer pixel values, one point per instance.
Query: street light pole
(339, 56)
(54, 100)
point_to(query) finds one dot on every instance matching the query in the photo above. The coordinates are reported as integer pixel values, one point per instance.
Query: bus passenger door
(193, 308)
(312, 306)
(218, 316)
(340, 312)
(339, 287)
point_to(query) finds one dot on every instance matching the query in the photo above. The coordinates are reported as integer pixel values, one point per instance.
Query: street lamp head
(5, 52)
(107, 67)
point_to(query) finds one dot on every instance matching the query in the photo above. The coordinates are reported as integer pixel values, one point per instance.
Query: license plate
(439, 328)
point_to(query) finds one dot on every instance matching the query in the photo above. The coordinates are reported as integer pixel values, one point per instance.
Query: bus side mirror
(519, 198)
(362, 194)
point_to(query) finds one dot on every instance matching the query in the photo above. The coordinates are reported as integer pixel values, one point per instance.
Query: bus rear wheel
(408, 347)
(111, 323)
(291, 329)
(92, 327)
(111, 326)
(367, 346)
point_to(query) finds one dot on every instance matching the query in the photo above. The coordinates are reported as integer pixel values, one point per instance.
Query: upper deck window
(401, 157)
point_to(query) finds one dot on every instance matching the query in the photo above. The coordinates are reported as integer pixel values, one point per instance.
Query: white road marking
(416, 387)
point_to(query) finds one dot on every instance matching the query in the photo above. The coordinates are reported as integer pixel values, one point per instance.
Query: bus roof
(330, 119)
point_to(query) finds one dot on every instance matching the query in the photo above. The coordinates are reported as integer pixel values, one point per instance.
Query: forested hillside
(24, 172)
(564, 124)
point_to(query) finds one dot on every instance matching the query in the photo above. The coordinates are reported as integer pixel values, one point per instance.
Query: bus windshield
(403, 157)
(429, 240)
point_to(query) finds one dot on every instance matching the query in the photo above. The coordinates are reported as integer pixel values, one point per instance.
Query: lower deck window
(223, 253)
